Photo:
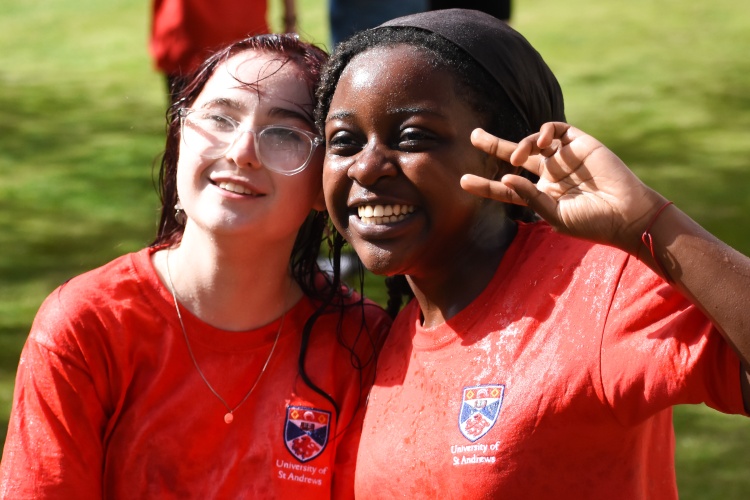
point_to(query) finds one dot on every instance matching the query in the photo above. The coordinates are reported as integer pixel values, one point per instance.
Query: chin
(378, 260)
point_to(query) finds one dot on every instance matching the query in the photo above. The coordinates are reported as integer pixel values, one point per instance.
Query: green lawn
(664, 84)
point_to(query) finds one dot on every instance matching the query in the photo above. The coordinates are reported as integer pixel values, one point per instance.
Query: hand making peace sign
(584, 189)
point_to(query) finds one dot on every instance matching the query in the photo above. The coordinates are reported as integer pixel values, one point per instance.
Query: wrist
(647, 241)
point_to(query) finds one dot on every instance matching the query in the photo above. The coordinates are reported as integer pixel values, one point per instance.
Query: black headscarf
(504, 53)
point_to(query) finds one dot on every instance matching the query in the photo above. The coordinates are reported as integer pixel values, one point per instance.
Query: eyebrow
(288, 113)
(339, 115)
(224, 102)
(415, 110)
(276, 112)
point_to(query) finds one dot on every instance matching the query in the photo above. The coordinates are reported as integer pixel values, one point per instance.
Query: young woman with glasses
(219, 362)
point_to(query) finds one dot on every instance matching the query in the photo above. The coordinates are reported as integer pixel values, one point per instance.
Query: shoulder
(541, 237)
(539, 247)
(91, 300)
(103, 284)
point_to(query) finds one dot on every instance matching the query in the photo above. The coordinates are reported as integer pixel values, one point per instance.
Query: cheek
(183, 177)
(306, 186)
(296, 197)
(336, 186)
(335, 180)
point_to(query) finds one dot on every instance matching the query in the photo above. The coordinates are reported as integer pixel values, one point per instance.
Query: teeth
(383, 214)
(234, 188)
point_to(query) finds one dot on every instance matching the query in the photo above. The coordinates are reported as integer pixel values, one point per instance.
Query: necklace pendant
(229, 418)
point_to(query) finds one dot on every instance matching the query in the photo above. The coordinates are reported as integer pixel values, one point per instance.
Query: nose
(243, 151)
(373, 163)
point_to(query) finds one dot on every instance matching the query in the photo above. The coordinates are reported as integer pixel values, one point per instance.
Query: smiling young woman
(540, 358)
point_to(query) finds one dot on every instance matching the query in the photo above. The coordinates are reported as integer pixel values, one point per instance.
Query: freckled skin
(396, 133)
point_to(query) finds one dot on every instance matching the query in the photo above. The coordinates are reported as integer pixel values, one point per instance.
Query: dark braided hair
(474, 85)
(326, 291)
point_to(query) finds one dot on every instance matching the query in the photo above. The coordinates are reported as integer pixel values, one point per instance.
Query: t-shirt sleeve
(659, 350)
(53, 448)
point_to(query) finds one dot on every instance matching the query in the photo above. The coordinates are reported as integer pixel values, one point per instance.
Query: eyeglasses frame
(315, 139)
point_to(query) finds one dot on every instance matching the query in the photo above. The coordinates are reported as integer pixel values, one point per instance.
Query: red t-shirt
(556, 382)
(108, 402)
(184, 32)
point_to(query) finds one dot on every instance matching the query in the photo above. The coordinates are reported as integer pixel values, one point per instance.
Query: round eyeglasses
(281, 148)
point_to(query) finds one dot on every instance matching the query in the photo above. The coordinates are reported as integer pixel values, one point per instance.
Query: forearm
(710, 273)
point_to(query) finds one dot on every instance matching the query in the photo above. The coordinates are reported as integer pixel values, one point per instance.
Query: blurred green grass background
(665, 84)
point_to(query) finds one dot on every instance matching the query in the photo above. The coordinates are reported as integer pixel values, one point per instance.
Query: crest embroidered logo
(479, 410)
(306, 432)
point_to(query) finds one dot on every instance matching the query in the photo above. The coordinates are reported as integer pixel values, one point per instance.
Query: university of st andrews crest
(306, 432)
(479, 410)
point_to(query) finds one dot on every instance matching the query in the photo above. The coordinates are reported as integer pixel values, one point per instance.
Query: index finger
(504, 150)
(492, 145)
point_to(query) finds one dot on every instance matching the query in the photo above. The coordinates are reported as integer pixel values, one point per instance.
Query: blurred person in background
(498, 8)
(185, 32)
(347, 17)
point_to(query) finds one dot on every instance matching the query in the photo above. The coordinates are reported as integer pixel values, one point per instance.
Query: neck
(446, 291)
(233, 285)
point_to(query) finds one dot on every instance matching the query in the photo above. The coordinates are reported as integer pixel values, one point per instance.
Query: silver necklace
(229, 416)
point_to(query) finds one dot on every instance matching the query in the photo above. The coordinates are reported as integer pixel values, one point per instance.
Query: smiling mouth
(236, 188)
(383, 214)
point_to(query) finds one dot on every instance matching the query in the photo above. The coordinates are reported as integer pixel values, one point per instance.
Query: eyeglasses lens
(208, 134)
(283, 149)
(279, 148)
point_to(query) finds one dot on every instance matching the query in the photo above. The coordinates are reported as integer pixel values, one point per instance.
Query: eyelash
(414, 135)
(344, 143)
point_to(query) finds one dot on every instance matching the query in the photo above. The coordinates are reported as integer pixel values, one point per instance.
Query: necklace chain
(229, 416)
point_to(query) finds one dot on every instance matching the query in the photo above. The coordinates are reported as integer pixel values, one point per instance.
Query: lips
(383, 214)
